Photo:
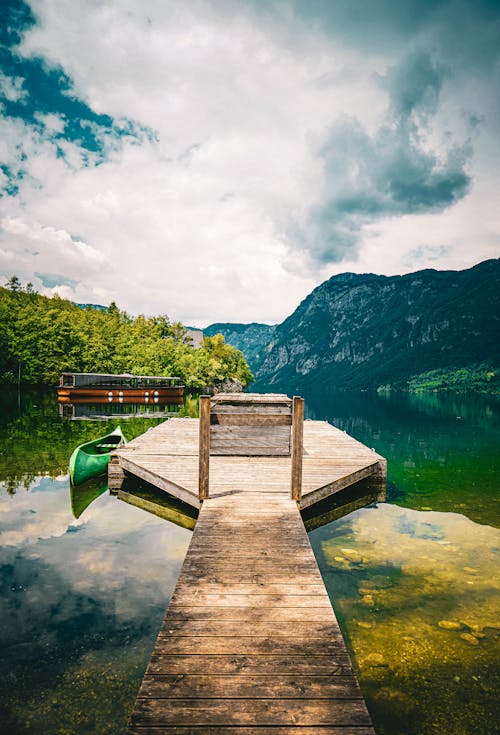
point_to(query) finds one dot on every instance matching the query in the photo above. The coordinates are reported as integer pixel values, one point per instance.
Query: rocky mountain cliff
(251, 339)
(366, 331)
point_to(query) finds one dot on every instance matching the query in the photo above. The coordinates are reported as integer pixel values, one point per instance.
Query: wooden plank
(269, 567)
(352, 478)
(257, 399)
(259, 629)
(250, 440)
(204, 448)
(267, 712)
(250, 419)
(284, 409)
(218, 730)
(287, 686)
(191, 599)
(337, 664)
(198, 586)
(241, 645)
(163, 483)
(278, 614)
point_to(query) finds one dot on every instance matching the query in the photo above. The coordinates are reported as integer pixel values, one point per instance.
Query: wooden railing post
(204, 448)
(297, 447)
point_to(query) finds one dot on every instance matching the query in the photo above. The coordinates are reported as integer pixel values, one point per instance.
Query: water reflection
(35, 440)
(341, 504)
(442, 449)
(84, 494)
(84, 580)
(159, 503)
(123, 409)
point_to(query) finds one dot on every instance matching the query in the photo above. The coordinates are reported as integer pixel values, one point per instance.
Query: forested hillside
(251, 339)
(42, 337)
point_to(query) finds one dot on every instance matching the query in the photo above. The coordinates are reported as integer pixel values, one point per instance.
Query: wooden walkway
(250, 643)
(167, 457)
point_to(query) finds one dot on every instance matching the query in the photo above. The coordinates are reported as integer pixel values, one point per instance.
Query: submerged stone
(450, 625)
(366, 591)
(475, 628)
(368, 600)
(352, 555)
(469, 638)
(375, 659)
(380, 581)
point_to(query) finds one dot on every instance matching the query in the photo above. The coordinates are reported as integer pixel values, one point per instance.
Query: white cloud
(39, 248)
(52, 123)
(205, 221)
(11, 88)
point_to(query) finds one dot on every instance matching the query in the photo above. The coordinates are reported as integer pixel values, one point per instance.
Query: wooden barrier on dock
(251, 425)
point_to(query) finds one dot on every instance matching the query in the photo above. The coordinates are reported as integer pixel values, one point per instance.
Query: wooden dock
(250, 643)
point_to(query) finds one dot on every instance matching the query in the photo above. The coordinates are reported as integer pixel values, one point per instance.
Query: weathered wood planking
(250, 642)
(250, 424)
(265, 440)
(168, 457)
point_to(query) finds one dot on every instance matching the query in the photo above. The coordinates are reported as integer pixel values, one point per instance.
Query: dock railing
(297, 448)
(251, 424)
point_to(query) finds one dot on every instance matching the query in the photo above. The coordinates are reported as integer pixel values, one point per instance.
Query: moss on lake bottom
(417, 598)
(91, 696)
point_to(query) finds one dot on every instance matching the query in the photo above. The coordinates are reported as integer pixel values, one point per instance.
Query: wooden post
(204, 448)
(297, 447)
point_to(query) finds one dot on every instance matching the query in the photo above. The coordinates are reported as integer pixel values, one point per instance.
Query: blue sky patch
(45, 91)
(51, 280)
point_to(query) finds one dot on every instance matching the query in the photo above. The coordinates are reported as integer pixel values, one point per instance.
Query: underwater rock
(475, 628)
(368, 600)
(376, 660)
(450, 625)
(400, 703)
(469, 638)
(366, 591)
(379, 581)
(352, 555)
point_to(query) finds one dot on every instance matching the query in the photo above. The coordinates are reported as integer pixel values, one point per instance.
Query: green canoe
(92, 458)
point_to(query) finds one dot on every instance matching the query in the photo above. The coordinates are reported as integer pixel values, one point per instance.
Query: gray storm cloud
(392, 172)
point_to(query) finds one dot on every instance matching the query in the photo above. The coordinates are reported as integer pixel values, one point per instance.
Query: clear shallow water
(413, 581)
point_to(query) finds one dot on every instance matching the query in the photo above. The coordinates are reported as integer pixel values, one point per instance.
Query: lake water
(85, 578)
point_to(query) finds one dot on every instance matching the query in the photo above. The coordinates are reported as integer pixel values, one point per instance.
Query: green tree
(14, 284)
(52, 335)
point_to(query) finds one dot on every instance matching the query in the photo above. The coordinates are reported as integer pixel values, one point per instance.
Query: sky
(216, 160)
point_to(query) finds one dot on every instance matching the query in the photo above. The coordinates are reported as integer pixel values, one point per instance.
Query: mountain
(251, 339)
(363, 331)
(96, 307)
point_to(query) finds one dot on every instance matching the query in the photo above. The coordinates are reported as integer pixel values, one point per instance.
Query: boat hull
(87, 461)
(163, 394)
